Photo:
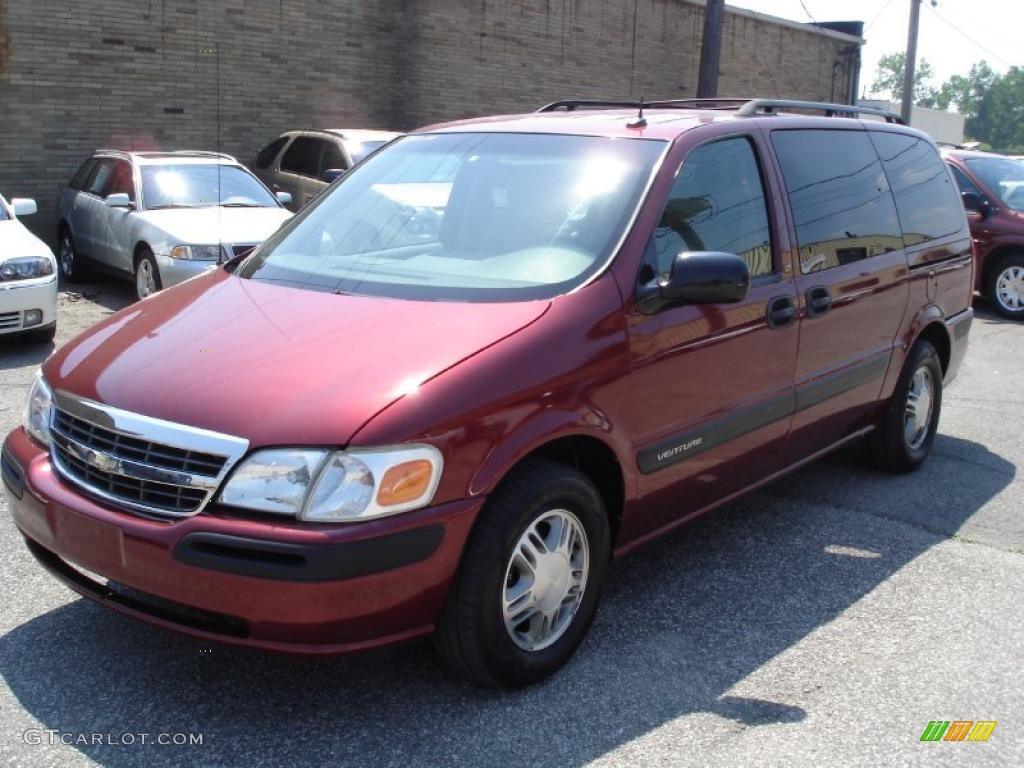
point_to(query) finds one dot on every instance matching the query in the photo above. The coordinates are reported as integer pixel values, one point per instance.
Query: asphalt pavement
(824, 620)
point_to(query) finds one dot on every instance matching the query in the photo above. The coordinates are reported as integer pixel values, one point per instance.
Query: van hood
(275, 365)
(213, 226)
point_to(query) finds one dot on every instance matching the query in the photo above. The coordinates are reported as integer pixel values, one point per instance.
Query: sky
(954, 35)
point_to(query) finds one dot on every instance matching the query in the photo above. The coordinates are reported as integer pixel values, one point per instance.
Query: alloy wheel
(145, 280)
(1010, 288)
(67, 256)
(545, 580)
(920, 402)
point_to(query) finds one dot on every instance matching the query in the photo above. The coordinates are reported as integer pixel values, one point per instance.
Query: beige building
(232, 74)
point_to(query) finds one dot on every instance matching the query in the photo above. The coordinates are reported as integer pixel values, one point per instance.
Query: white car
(28, 277)
(162, 217)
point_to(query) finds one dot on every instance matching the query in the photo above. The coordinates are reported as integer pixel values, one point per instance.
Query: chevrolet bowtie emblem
(104, 462)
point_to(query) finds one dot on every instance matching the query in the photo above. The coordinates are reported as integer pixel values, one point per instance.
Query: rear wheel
(530, 578)
(147, 274)
(1006, 287)
(71, 268)
(904, 439)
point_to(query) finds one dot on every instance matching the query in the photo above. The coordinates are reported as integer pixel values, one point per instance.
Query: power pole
(911, 61)
(710, 49)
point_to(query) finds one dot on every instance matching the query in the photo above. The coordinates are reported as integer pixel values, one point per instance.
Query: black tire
(143, 261)
(1015, 263)
(471, 634)
(69, 261)
(889, 446)
(43, 335)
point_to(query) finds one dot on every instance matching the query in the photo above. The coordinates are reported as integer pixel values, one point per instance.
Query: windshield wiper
(169, 205)
(241, 205)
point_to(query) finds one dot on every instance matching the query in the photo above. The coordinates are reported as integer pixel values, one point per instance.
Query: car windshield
(466, 216)
(360, 150)
(1004, 177)
(202, 186)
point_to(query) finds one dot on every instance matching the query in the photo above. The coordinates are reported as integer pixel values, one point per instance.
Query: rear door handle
(781, 311)
(819, 301)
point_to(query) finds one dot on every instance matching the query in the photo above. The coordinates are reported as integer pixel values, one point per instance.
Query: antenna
(639, 121)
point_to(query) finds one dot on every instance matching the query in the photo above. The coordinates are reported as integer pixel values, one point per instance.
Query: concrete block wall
(230, 75)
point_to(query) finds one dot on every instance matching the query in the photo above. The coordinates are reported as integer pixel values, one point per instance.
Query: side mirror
(23, 206)
(706, 277)
(284, 198)
(119, 200)
(331, 174)
(974, 203)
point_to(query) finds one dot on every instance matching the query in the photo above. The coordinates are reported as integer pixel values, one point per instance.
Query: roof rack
(743, 107)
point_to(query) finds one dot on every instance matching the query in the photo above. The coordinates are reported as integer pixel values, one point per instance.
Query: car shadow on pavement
(682, 623)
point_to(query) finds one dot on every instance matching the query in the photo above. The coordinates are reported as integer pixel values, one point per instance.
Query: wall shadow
(680, 625)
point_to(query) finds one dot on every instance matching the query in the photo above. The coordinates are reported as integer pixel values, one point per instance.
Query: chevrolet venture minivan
(495, 355)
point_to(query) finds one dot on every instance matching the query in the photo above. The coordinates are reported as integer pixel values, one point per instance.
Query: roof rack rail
(743, 107)
(768, 106)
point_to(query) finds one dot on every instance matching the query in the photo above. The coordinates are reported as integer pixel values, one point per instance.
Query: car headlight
(37, 410)
(25, 268)
(199, 252)
(327, 486)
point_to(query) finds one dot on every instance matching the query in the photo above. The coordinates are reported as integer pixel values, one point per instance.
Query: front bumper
(20, 295)
(270, 585)
(174, 271)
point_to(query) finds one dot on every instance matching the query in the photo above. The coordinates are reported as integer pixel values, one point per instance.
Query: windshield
(1004, 177)
(202, 186)
(360, 150)
(466, 216)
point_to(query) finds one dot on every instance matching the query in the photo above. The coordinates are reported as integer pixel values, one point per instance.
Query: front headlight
(199, 252)
(37, 410)
(336, 486)
(25, 268)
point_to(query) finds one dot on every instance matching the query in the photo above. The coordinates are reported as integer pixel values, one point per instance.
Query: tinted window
(78, 180)
(99, 181)
(717, 204)
(842, 207)
(303, 156)
(928, 205)
(266, 155)
(1003, 176)
(965, 184)
(466, 216)
(333, 158)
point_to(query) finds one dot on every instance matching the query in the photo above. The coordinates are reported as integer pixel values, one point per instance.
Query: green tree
(889, 79)
(1000, 116)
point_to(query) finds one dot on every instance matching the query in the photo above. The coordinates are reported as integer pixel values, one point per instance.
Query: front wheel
(1006, 287)
(530, 578)
(147, 275)
(71, 267)
(904, 439)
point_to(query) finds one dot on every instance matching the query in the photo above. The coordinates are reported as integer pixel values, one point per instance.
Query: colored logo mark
(958, 730)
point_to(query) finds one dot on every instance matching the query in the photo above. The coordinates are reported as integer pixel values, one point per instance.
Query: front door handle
(819, 301)
(781, 311)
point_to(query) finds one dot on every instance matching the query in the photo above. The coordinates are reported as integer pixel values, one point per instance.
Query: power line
(968, 38)
(878, 15)
(802, 5)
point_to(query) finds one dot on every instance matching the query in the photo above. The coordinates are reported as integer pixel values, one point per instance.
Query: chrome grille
(138, 463)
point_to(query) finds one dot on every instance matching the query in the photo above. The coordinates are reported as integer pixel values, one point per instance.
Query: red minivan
(496, 354)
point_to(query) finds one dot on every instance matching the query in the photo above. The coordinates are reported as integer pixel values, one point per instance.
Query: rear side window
(303, 156)
(928, 205)
(842, 206)
(266, 156)
(717, 204)
(78, 180)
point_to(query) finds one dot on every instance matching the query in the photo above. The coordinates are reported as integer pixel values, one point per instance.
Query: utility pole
(710, 49)
(911, 61)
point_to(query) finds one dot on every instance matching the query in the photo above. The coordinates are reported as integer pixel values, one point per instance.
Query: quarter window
(717, 204)
(303, 156)
(842, 205)
(928, 205)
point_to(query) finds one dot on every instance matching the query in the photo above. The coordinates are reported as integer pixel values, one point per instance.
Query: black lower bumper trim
(286, 561)
(13, 473)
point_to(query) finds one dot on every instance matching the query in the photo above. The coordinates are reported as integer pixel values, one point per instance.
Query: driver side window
(717, 204)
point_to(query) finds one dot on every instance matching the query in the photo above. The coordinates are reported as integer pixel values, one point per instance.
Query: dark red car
(493, 356)
(992, 187)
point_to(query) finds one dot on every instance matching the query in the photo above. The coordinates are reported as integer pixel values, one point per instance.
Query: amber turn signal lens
(404, 482)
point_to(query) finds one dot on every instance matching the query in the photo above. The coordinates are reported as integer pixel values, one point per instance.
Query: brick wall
(232, 74)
